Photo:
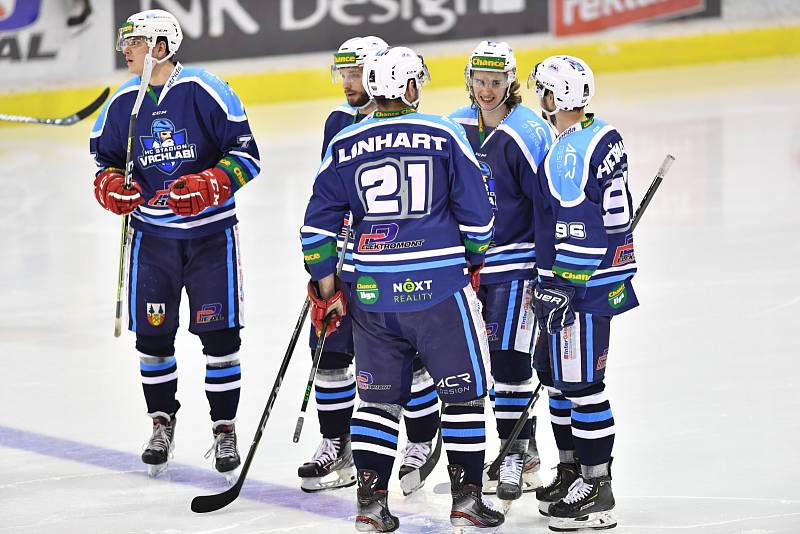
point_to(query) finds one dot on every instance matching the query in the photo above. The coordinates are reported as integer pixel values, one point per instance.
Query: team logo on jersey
(601, 361)
(454, 384)
(412, 291)
(488, 182)
(367, 290)
(209, 313)
(156, 313)
(382, 237)
(166, 148)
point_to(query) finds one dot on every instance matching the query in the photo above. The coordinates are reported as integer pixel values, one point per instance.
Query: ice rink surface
(704, 377)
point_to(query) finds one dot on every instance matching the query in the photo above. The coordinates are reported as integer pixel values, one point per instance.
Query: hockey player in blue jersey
(417, 176)
(335, 384)
(510, 142)
(192, 151)
(585, 261)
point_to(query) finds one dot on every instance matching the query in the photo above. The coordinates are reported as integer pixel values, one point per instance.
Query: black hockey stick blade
(64, 121)
(211, 503)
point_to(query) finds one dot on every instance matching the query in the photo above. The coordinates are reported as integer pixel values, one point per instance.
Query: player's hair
(549, 92)
(512, 100)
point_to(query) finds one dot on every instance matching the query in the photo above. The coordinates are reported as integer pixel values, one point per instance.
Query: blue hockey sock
(373, 431)
(335, 393)
(464, 437)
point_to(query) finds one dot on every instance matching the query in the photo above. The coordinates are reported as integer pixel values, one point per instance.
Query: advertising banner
(37, 45)
(570, 17)
(237, 29)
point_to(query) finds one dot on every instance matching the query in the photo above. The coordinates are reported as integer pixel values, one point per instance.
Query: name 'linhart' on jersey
(391, 140)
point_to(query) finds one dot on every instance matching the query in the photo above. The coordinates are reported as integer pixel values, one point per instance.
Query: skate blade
(544, 508)
(154, 470)
(230, 476)
(504, 505)
(531, 481)
(411, 482)
(593, 521)
(343, 478)
(472, 529)
(489, 486)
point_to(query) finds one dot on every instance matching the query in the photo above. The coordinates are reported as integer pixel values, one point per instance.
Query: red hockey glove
(336, 305)
(475, 276)
(111, 193)
(192, 193)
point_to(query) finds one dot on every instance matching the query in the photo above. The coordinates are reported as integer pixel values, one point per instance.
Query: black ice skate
(226, 455)
(469, 513)
(566, 474)
(419, 459)
(588, 505)
(158, 449)
(330, 468)
(373, 510)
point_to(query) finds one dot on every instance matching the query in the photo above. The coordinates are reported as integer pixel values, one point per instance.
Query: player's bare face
(135, 50)
(488, 88)
(353, 88)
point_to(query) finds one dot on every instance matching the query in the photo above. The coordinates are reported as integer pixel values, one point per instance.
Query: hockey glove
(192, 193)
(335, 306)
(475, 276)
(111, 193)
(553, 306)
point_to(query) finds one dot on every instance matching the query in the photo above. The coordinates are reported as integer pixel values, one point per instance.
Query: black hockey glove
(553, 306)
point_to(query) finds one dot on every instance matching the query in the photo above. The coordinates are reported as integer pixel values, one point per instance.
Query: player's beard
(359, 101)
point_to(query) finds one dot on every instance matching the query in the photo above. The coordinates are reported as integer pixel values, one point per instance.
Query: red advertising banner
(570, 17)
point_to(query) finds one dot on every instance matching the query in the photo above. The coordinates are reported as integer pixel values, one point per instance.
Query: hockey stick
(64, 121)
(210, 503)
(669, 159)
(124, 241)
(320, 343)
(648, 196)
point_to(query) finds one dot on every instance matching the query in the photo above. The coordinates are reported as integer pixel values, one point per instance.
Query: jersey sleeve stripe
(313, 230)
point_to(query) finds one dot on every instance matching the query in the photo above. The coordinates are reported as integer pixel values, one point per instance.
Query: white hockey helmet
(569, 78)
(151, 25)
(354, 51)
(492, 56)
(387, 72)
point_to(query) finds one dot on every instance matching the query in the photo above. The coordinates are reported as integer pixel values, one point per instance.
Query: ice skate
(373, 510)
(589, 505)
(510, 486)
(158, 449)
(566, 474)
(419, 459)
(224, 450)
(530, 472)
(330, 468)
(469, 513)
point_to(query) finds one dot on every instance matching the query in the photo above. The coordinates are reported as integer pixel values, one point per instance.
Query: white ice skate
(331, 467)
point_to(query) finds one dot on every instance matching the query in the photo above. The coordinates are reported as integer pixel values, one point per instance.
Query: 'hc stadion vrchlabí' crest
(166, 148)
